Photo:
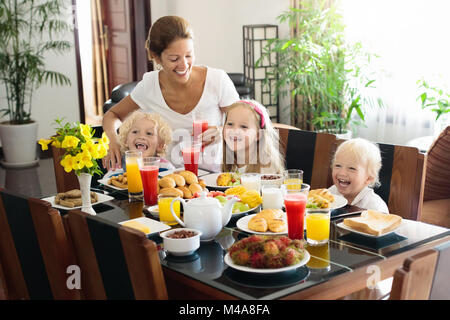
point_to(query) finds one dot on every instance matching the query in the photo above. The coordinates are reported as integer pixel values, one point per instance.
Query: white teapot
(205, 214)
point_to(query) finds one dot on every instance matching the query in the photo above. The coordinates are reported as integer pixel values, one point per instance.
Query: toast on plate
(374, 222)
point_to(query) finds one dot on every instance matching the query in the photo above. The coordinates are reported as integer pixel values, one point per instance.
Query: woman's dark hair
(164, 31)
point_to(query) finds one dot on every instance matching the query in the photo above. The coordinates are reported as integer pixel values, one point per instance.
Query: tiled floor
(38, 181)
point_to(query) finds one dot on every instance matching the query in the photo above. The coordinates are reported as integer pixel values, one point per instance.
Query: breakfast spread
(374, 222)
(319, 198)
(260, 252)
(268, 220)
(72, 198)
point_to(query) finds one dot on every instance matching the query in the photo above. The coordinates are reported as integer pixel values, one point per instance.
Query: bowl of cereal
(271, 179)
(181, 241)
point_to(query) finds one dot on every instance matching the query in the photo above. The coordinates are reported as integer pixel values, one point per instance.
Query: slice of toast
(374, 222)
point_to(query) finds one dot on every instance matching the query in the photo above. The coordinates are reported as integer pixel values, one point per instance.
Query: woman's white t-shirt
(366, 199)
(219, 91)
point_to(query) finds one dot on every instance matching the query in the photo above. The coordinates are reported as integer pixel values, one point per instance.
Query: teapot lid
(204, 200)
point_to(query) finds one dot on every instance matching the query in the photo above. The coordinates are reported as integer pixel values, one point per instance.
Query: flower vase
(85, 187)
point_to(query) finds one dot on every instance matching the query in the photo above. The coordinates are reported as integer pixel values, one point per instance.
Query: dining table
(349, 262)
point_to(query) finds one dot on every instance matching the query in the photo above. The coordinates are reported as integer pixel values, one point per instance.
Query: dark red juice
(295, 210)
(149, 177)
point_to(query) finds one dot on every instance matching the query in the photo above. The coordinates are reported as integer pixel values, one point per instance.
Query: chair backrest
(34, 250)
(117, 262)
(402, 178)
(118, 93)
(309, 151)
(440, 287)
(69, 181)
(413, 280)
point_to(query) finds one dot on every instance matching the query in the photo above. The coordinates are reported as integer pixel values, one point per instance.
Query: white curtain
(411, 38)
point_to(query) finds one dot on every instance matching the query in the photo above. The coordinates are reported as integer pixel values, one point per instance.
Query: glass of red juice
(199, 125)
(149, 169)
(295, 197)
(191, 154)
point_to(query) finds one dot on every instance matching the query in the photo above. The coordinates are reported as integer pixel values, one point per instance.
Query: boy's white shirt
(366, 199)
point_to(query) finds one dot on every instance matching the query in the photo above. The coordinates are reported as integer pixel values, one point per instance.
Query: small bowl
(278, 181)
(183, 246)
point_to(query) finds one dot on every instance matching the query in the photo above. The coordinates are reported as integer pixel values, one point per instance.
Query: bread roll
(187, 194)
(189, 177)
(179, 179)
(195, 187)
(172, 192)
(167, 182)
(202, 183)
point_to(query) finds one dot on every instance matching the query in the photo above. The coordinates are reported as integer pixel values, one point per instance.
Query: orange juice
(134, 178)
(293, 183)
(165, 215)
(317, 227)
(320, 256)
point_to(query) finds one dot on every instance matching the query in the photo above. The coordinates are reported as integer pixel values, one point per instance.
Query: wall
(51, 102)
(218, 25)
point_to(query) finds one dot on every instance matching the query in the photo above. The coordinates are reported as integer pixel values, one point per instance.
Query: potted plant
(320, 70)
(439, 102)
(27, 33)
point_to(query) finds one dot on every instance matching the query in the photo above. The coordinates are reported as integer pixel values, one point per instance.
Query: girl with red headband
(250, 142)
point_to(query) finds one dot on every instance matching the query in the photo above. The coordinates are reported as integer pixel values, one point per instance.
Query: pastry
(167, 182)
(179, 179)
(258, 224)
(277, 225)
(202, 183)
(187, 193)
(172, 192)
(324, 193)
(270, 214)
(189, 177)
(195, 187)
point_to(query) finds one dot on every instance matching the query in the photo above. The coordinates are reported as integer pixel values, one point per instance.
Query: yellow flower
(102, 150)
(85, 130)
(56, 143)
(68, 163)
(44, 143)
(90, 147)
(105, 140)
(83, 159)
(70, 142)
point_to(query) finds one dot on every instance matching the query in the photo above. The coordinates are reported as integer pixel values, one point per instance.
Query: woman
(179, 92)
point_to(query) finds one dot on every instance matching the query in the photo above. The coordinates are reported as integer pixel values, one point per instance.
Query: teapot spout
(227, 210)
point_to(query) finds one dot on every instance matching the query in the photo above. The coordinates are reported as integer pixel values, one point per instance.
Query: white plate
(343, 226)
(155, 226)
(101, 198)
(227, 259)
(108, 175)
(242, 224)
(339, 202)
(211, 181)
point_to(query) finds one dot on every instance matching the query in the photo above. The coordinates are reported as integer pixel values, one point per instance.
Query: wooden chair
(69, 181)
(309, 151)
(34, 250)
(402, 178)
(424, 276)
(116, 262)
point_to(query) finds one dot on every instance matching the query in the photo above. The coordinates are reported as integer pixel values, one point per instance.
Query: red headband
(257, 110)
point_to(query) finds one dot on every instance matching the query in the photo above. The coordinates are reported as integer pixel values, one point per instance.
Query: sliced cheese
(374, 222)
(137, 225)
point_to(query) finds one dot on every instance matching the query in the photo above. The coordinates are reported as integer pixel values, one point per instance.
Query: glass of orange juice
(165, 215)
(135, 189)
(317, 226)
(293, 178)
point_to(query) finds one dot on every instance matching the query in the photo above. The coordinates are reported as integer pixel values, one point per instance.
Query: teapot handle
(173, 212)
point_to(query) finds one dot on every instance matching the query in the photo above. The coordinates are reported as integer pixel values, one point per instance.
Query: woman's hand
(212, 135)
(113, 160)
